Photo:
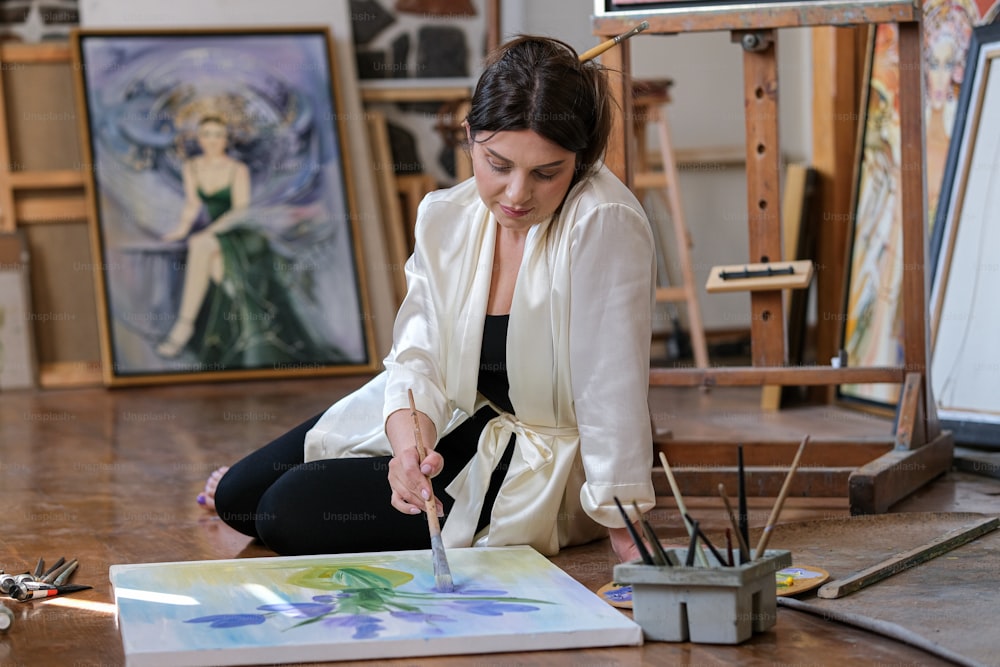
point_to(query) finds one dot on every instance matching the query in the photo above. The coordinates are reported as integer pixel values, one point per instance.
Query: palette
(356, 607)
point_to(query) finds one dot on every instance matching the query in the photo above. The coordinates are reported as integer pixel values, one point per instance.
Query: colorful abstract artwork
(873, 324)
(355, 607)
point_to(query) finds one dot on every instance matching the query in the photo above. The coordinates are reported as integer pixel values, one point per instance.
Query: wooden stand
(42, 194)
(920, 450)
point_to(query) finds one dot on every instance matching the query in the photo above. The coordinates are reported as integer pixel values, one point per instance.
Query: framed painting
(965, 361)
(357, 606)
(872, 332)
(222, 206)
(17, 350)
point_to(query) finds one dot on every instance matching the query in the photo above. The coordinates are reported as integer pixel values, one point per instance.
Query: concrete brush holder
(710, 605)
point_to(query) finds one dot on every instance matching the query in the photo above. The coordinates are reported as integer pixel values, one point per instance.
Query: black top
(493, 383)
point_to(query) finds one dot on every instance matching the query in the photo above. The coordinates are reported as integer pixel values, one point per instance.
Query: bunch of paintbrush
(694, 530)
(658, 555)
(41, 583)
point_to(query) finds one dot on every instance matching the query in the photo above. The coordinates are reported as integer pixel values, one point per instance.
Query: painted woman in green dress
(220, 184)
(235, 310)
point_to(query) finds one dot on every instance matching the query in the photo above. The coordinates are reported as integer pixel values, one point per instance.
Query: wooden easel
(920, 450)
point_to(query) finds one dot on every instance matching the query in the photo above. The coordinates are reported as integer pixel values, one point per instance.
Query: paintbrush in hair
(617, 39)
(442, 573)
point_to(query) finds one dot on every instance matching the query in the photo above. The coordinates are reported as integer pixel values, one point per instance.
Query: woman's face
(212, 138)
(940, 65)
(521, 176)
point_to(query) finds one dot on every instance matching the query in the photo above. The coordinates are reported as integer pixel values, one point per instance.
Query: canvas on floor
(357, 606)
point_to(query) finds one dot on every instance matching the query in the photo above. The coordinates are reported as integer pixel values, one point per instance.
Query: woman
(524, 337)
(217, 184)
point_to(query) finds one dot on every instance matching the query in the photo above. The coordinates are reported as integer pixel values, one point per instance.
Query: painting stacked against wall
(965, 244)
(403, 45)
(873, 331)
(223, 214)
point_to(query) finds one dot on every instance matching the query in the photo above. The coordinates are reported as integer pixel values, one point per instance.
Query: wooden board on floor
(959, 625)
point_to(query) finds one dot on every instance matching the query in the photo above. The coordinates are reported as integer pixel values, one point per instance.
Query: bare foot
(207, 497)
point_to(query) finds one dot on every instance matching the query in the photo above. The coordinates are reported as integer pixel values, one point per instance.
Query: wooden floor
(110, 477)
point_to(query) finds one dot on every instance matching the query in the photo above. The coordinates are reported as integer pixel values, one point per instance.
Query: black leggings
(338, 505)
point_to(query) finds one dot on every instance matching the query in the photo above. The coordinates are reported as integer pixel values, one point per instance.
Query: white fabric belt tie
(534, 450)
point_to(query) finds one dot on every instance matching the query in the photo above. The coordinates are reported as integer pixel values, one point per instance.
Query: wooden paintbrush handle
(429, 505)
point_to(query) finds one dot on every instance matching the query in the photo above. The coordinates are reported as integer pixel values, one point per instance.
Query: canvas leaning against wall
(222, 205)
(965, 361)
(873, 333)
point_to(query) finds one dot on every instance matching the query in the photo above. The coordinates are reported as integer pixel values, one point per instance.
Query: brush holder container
(708, 605)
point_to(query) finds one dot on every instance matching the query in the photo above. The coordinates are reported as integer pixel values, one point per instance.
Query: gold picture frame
(222, 207)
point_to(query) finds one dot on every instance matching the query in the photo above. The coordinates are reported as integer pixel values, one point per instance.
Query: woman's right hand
(409, 477)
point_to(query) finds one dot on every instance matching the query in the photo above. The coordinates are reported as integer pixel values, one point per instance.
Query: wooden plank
(714, 16)
(619, 156)
(908, 559)
(837, 61)
(31, 54)
(41, 209)
(745, 376)
(671, 294)
(824, 452)
(69, 374)
(910, 428)
(415, 94)
(7, 220)
(829, 482)
(800, 279)
(877, 485)
(915, 284)
(799, 185)
(42, 179)
(760, 95)
(393, 224)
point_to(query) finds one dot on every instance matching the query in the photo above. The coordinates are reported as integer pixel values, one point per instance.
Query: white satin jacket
(577, 359)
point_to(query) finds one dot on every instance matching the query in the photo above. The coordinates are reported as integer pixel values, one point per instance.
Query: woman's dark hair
(538, 83)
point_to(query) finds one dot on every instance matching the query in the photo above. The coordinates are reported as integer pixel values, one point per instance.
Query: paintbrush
(679, 499)
(643, 552)
(48, 573)
(741, 495)
(744, 547)
(776, 510)
(604, 46)
(658, 554)
(708, 543)
(692, 545)
(442, 573)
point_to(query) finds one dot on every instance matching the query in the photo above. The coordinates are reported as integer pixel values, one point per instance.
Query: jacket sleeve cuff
(598, 501)
(426, 397)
